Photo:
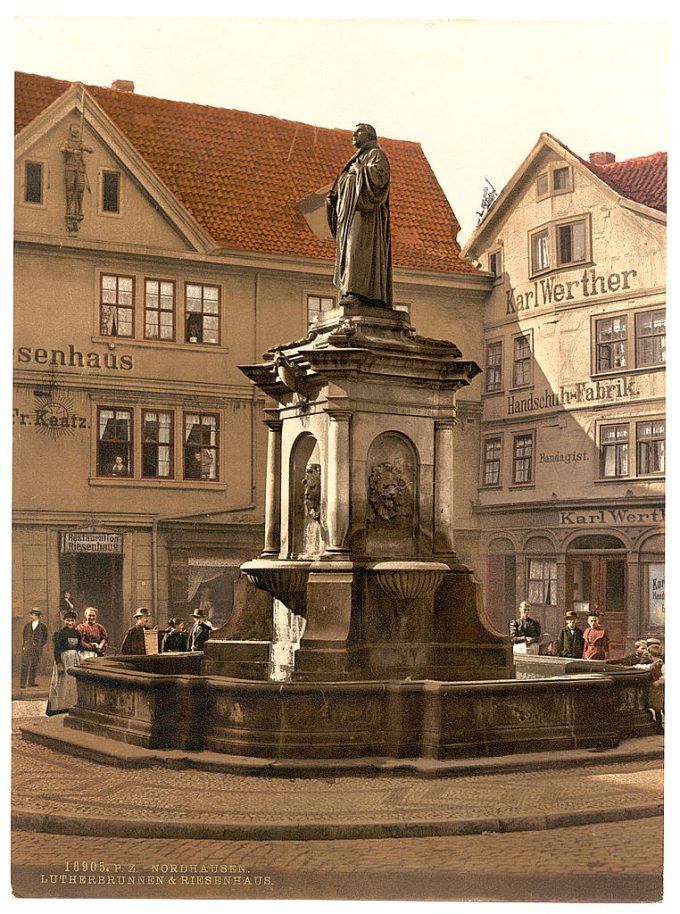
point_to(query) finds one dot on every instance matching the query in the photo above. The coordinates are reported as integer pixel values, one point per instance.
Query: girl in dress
(595, 640)
(68, 647)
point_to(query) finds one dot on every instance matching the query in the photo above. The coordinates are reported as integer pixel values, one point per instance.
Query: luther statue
(358, 210)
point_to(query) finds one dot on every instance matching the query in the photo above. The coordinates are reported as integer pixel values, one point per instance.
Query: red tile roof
(643, 179)
(240, 174)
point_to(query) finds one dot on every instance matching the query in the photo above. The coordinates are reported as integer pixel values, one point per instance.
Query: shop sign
(551, 290)
(610, 517)
(657, 594)
(623, 388)
(92, 542)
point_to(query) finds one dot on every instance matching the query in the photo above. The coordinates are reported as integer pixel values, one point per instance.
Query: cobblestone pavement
(608, 862)
(43, 784)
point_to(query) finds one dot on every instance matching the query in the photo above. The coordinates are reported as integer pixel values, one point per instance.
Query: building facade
(572, 451)
(158, 246)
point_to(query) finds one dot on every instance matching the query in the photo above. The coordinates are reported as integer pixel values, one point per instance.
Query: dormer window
(558, 179)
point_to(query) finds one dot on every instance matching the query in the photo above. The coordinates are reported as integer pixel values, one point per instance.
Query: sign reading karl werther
(551, 291)
(92, 542)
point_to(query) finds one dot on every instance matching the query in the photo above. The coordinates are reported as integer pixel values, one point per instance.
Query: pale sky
(475, 94)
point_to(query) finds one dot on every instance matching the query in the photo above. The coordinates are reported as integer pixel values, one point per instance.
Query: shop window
(614, 450)
(157, 444)
(33, 182)
(117, 302)
(542, 581)
(651, 447)
(202, 314)
(612, 343)
(110, 192)
(494, 366)
(571, 242)
(159, 310)
(201, 447)
(650, 337)
(317, 306)
(114, 443)
(523, 458)
(496, 264)
(540, 251)
(492, 462)
(521, 360)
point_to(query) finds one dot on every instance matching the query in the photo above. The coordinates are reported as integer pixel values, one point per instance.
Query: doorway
(97, 580)
(597, 580)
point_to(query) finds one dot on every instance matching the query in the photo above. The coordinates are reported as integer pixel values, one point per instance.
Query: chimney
(123, 85)
(602, 158)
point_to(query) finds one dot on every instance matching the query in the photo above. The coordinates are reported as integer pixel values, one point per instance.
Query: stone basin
(406, 581)
(283, 579)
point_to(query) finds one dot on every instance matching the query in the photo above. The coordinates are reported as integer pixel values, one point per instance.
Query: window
(542, 578)
(561, 178)
(614, 451)
(523, 458)
(201, 447)
(202, 314)
(650, 334)
(492, 462)
(571, 242)
(317, 306)
(496, 264)
(157, 445)
(494, 366)
(612, 343)
(110, 192)
(33, 182)
(540, 251)
(159, 310)
(117, 306)
(542, 185)
(651, 447)
(114, 445)
(521, 361)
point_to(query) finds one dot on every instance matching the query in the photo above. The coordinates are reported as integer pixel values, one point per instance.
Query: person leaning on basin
(176, 638)
(525, 632)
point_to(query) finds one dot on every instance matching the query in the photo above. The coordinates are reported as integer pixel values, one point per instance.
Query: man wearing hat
(175, 639)
(570, 640)
(34, 640)
(525, 630)
(200, 632)
(133, 642)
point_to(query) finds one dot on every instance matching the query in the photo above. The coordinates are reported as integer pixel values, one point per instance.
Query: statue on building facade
(75, 176)
(358, 211)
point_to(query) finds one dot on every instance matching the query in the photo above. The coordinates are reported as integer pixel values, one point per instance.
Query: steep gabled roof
(641, 180)
(240, 175)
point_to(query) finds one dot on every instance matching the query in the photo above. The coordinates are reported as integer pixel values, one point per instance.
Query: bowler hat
(570, 615)
(142, 611)
(198, 614)
(35, 612)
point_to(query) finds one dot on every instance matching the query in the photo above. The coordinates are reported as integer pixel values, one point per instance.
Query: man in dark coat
(525, 630)
(34, 640)
(175, 639)
(134, 642)
(200, 632)
(570, 640)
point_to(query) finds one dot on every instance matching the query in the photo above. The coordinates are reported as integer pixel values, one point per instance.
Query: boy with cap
(34, 640)
(570, 641)
(133, 642)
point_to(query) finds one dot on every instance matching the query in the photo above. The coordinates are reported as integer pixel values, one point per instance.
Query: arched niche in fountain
(392, 496)
(305, 497)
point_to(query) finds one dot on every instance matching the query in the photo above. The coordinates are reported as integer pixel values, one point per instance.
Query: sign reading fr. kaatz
(610, 517)
(569, 394)
(551, 291)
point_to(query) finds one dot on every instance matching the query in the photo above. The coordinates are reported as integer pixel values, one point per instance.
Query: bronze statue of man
(358, 210)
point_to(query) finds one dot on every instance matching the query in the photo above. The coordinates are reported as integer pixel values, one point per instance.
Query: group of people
(73, 643)
(573, 642)
(175, 638)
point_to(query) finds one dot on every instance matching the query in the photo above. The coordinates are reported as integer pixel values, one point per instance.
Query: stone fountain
(395, 658)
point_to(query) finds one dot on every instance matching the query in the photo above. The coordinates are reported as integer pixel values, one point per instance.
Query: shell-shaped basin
(280, 577)
(406, 581)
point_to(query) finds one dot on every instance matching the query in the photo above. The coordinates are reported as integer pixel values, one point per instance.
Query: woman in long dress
(595, 640)
(68, 647)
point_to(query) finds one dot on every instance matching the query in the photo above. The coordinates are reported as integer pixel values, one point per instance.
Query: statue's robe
(359, 219)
